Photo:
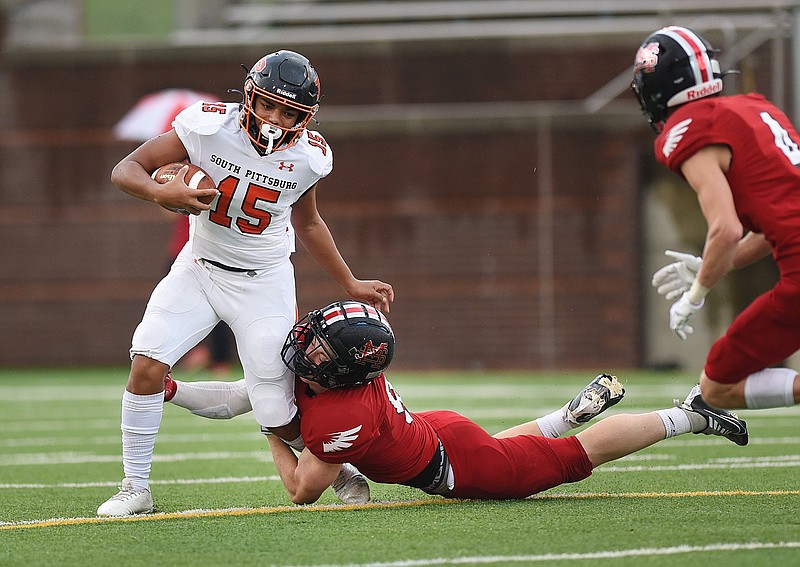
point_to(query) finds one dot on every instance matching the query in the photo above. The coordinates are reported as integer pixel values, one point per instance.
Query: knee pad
(271, 407)
(770, 388)
(150, 335)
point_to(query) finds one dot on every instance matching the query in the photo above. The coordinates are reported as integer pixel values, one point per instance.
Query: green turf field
(692, 499)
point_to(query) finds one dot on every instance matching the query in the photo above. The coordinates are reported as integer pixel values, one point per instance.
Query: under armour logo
(288, 166)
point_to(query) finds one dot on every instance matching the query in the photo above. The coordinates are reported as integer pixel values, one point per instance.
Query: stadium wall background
(466, 174)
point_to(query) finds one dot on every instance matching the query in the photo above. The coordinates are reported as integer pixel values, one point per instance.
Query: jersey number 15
(255, 194)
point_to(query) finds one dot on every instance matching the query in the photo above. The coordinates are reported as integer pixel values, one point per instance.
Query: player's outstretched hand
(674, 279)
(680, 313)
(373, 292)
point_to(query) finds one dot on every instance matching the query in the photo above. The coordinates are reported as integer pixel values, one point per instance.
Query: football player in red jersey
(351, 413)
(740, 154)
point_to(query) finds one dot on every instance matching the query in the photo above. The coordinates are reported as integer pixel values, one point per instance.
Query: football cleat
(170, 387)
(720, 421)
(127, 502)
(351, 486)
(601, 393)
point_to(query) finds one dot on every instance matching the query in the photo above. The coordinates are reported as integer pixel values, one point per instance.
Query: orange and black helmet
(287, 78)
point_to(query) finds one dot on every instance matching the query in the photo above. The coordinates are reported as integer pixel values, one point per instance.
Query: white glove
(674, 279)
(680, 313)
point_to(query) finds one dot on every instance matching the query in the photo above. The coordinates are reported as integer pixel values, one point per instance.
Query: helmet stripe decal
(353, 310)
(333, 315)
(349, 310)
(695, 49)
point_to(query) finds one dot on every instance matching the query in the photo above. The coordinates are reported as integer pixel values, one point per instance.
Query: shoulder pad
(320, 154)
(205, 118)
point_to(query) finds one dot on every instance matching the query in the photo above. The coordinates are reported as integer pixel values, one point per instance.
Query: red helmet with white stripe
(673, 66)
(345, 344)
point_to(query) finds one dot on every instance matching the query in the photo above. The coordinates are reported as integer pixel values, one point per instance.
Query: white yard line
(71, 457)
(782, 461)
(220, 480)
(611, 554)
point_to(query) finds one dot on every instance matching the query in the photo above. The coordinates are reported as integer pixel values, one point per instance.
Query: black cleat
(720, 421)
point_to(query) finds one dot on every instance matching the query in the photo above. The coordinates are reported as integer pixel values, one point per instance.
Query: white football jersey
(248, 223)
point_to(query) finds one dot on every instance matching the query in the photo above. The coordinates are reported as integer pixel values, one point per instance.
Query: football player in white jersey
(235, 266)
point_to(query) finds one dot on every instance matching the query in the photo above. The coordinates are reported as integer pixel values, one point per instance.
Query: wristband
(697, 293)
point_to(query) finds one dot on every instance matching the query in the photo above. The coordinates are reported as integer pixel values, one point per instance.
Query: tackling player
(351, 413)
(235, 266)
(740, 154)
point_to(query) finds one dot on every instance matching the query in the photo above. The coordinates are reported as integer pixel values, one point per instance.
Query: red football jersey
(765, 183)
(368, 426)
(764, 175)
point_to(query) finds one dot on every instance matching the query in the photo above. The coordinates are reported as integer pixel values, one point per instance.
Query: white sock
(554, 425)
(141, 418)
(770, 388)
(214, 400)
(678, 421)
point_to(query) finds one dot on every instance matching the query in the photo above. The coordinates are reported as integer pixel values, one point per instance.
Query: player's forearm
(285, 462)
(753, 247)
(131, 177)
(300, 481)
(718, 254)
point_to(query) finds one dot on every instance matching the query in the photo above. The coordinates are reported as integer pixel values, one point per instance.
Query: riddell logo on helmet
(287, 94)
(704, 91)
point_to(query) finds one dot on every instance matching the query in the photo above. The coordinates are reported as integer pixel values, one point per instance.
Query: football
(195, 178)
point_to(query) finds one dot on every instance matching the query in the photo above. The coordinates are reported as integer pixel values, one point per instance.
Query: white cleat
(601, 393)
(351, 486)
(127, 502)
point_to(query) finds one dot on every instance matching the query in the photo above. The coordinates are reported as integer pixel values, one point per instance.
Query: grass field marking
(776, 458)
(75, 457)
(114, 440)
(220, 480)
(614, 554)
(754, 464)
(44, 459)
(26, 524)
(779, 461)
(220, 512)
(692, 494)
(704, 441)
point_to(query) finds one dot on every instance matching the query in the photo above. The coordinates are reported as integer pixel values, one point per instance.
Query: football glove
(680, 313)
(674, 279)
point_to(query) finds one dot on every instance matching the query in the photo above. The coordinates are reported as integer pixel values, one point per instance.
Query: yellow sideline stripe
(370, 506)
(221, 513)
